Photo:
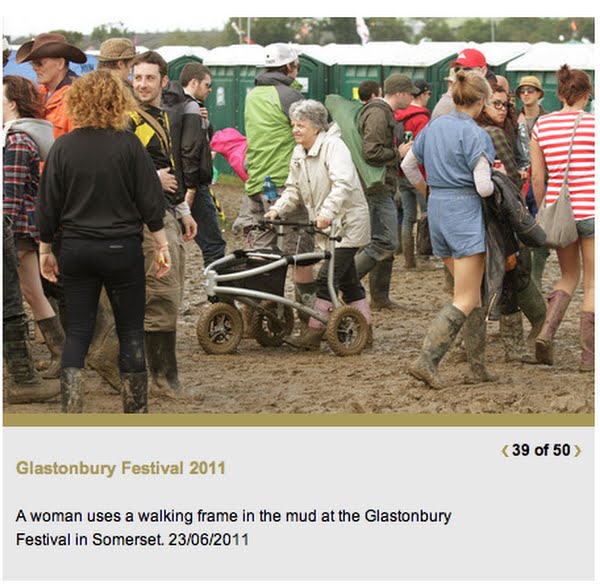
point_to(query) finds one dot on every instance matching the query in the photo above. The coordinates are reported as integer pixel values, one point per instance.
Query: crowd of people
(107, 175)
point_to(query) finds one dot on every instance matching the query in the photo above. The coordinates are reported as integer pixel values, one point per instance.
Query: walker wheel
(347, 331)
(271, 323)
(220, 328)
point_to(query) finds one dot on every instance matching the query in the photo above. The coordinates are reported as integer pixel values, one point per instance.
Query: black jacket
(507, 222)
(190, 135)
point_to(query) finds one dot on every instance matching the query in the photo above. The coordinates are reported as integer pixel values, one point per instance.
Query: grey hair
(312, 111)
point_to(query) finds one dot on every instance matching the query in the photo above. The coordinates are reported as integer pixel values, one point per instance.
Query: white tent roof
(420, 55)
(236, 55)
(550, 56)
(501, 52)
(354, 54)
(317, 52)
(170, 52)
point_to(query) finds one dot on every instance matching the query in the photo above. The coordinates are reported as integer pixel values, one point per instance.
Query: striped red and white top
(553, 134)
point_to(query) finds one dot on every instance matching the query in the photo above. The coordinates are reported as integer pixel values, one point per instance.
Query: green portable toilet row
(314, 71)
(339, 69)
(177, 56)
(427, 60)
(544, 59)
(499, 55)
(233, 69)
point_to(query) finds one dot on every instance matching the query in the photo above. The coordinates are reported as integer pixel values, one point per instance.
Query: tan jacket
(326, 181)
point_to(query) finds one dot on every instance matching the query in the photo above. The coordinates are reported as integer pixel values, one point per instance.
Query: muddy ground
(284, 380)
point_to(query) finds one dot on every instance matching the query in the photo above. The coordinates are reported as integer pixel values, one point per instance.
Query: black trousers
(345, 278)
(87, 265)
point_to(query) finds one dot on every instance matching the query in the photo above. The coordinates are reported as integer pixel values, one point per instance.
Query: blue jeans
(384, 227)
(409, 197)
(209, 237)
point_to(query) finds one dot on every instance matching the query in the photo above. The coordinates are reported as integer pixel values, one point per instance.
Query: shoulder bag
(557, 220)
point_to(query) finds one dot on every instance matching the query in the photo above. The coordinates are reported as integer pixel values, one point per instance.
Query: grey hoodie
(40, 131)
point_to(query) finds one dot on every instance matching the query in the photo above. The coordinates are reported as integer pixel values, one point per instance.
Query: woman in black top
(98, 188)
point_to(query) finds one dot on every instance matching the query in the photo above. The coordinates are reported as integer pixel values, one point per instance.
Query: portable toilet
(233, 69)
(350, 66)
(177, 56)
(313, 75)
(498, 55)
(425, 60)
(544, 59)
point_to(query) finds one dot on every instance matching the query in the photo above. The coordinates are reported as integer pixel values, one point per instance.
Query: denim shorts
(585, 228)
(456, 224)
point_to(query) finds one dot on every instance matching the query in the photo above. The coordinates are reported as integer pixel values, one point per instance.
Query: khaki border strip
(301, 420)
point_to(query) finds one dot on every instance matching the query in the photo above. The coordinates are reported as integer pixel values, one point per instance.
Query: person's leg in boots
(558, 301)
(586, 363)
(82, 286)
(43, 313)
(511, 321)
(310, 338)
(380, 279)
(467, 273)
(126, 292)
(383, 216)
(163, 300)
(25, 385)
(440, 335)
(297, 242)
(353, 293)
(531, 302)
(408, 196)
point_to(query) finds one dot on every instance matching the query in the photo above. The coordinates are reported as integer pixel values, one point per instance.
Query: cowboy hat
(49, 45)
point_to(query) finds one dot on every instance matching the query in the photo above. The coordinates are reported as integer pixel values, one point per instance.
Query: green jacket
(376, 125)
(268, 130)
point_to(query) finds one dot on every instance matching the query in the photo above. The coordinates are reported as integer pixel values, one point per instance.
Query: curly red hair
(100, 99)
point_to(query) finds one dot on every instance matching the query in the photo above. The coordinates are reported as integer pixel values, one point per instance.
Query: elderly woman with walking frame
(323, 178)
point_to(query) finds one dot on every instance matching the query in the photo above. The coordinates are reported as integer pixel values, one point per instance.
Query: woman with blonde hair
(551, 138)
(98, 188)
(458, 157)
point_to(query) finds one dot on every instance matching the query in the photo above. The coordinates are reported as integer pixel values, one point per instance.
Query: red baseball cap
(469, 58)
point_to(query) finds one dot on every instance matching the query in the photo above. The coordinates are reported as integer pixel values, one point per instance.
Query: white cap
(279, 54)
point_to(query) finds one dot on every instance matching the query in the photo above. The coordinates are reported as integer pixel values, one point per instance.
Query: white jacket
(326, 181)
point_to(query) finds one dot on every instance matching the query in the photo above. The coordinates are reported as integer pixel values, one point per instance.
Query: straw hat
(116, 50)
(530, 80)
